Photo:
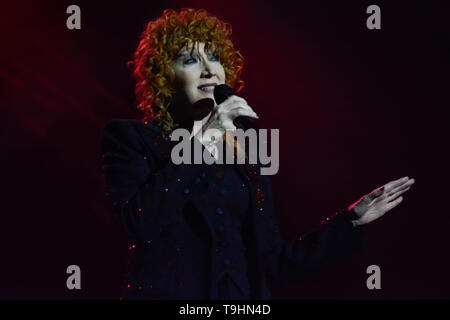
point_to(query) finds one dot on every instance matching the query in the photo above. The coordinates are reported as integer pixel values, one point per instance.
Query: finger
(393, 184)
(235, 102)
(242, 106)
(375, 193)
(379, 199)
(393, 204)
(232, 101)
(242, 112)
(407, 184)
(224, 110)
(397, 194)
(239, 99)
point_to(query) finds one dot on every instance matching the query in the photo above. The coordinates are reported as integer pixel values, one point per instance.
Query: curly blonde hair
(159, 44)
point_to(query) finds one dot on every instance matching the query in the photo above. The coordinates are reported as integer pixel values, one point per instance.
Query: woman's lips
(207, 87)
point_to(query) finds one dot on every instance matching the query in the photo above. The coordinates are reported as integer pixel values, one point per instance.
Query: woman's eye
(190, 61)
(194, 60)
(215, 57)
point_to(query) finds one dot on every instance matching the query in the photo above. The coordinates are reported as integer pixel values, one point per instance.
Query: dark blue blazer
(173, 242)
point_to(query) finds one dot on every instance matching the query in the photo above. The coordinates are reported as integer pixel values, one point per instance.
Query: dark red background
(355, 108)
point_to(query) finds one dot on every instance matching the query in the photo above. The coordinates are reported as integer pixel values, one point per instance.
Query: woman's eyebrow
(190, 52)
(185, 53)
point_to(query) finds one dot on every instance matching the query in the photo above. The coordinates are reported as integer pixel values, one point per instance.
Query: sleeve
(146, 195)
(335, 240)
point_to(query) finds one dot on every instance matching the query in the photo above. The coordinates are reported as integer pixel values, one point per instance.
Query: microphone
(221, 93)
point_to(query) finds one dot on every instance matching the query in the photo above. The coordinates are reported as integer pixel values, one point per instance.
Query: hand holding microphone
(231, 112)
(222, 93)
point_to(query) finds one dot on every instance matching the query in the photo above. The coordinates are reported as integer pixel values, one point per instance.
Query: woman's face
(197, 73)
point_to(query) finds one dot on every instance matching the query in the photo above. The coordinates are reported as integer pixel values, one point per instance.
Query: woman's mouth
(208, 88)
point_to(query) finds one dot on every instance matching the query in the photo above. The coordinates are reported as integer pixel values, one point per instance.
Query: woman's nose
(207, 69)
(207, 72)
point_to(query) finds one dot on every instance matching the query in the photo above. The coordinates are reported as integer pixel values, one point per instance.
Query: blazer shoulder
(139, 134)
(129, 127)
(118, 133)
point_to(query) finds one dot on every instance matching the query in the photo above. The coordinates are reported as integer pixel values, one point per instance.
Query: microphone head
(222, 92)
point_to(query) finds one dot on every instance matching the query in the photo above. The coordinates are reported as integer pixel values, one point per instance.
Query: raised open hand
(376, 203)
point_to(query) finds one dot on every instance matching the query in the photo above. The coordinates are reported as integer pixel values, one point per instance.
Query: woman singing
(207, 231)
